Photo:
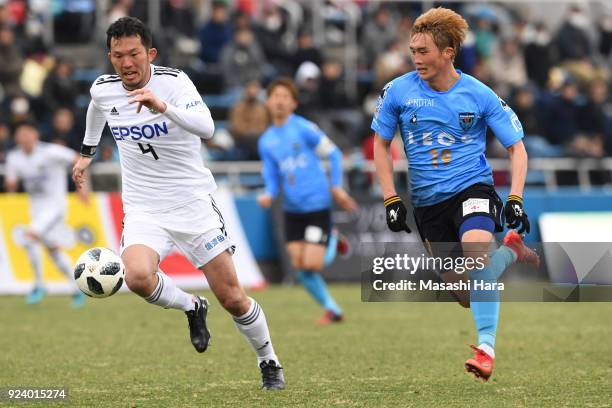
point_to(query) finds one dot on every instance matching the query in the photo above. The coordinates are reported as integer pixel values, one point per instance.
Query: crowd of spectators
(555, 76)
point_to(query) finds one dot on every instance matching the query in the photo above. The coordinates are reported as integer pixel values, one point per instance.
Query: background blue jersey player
(292, 149)
(443, 115)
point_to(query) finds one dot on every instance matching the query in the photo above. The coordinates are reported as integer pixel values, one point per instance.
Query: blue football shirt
(444, 133)
(288, 154)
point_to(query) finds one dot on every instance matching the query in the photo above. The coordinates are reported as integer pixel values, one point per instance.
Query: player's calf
(234, 300)
(248, 316)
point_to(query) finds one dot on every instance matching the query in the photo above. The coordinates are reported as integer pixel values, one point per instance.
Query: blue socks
(315, 285)
(500, 260)
(330, 252)
(485, 303)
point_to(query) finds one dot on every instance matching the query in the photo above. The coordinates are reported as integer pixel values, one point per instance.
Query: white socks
(34, 256)
(487, 349)
(254, 327)
(168, 296)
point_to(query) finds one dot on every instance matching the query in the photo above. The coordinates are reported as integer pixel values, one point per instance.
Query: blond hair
(447, 28)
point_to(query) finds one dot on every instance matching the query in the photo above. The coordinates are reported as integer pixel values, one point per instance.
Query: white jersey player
(158, 119)
(42, 168)
(161, 165)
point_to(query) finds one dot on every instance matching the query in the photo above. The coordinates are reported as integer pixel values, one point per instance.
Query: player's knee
(296, 263)
(138, 278)
(235, 302)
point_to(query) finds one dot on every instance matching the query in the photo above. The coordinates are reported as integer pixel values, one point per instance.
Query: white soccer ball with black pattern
(99, 272)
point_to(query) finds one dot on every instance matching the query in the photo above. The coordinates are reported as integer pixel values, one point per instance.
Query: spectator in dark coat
(592, 119)
(572, 38)
(59, 90)
(215, 34)
(64, 129)
(538, 53)
(306, 51)
(242, 60)
(12, 61)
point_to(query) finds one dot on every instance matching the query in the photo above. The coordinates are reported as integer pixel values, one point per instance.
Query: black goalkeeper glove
(515, 214)
(396, 214)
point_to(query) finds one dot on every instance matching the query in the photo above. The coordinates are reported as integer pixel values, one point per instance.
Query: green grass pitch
(122, 352)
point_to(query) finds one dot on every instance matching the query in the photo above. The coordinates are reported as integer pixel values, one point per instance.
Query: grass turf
(122, 352)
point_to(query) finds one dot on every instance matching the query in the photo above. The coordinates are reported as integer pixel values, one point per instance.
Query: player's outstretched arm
(516, 217)
(327, 149)
(94, 124)
(343, 199)
(384, 165)
(518, 161)
(84, 188)
(394, 207)
(271, 174)
(79, 175)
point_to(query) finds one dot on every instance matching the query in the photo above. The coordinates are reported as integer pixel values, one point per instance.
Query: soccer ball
(99, 272)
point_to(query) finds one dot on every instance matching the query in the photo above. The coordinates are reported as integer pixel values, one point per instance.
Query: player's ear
(449, 53)
(152, 54)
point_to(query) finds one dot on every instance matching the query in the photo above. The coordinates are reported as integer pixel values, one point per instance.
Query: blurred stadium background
(550, 60)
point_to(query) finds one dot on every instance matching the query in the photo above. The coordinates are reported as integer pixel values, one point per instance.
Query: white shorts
(52, 231)
(197, 229)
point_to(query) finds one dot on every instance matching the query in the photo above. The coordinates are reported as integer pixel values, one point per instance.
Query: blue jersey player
(292, 149)
(443, 115)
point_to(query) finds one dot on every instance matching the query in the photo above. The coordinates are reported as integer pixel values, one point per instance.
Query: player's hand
(264, 200)
(78, 171)
(515, 214)
(344, 200)
(144, 96)
(396, 214)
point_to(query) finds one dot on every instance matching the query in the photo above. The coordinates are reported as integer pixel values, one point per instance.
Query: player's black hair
(128, 27)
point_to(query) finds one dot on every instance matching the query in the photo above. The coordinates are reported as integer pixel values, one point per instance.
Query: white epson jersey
(161, 163)
(44, 174)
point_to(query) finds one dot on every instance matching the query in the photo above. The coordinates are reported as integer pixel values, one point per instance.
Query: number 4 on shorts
(148, 150)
